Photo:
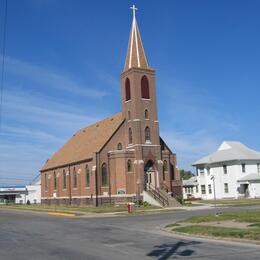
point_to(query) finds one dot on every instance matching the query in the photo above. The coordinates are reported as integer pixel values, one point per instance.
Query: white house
(21, 194)
(235, 170)
(191, 188)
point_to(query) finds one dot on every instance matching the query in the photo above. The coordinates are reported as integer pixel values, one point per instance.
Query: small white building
(21, 194)
(191, 188)
(235, 170)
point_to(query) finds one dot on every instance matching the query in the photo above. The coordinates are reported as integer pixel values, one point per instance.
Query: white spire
(135, 54)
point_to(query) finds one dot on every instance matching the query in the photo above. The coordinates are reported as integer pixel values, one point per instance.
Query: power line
(3, 66)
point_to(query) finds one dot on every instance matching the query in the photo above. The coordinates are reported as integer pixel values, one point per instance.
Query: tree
(185, 175)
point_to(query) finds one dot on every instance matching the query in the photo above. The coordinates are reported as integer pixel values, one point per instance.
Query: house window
(208, 171)
(64, 180)
(87, 176)
(203, 189)
(130, 136)
(75, 179)
(209, 188)
(147, 134)
(45, 182)
(258, 167)
(119, 146)
(201, 171)
(55, 180)
(145, 88)
(104, 179)
(127, 90)
(129, 165)
(226, 187)
(225, 169)
(243, 168)
(146, 114)
(197, 188)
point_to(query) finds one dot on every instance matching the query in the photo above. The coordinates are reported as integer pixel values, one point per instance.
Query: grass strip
(243, 216)
(252, 234)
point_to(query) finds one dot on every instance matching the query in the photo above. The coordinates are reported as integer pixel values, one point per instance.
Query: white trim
(136, 119)
(132, 145)
(131, 46)
(136, 43)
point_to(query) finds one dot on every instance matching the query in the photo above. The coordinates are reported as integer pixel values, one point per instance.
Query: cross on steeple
(134, 9)
(135, 56)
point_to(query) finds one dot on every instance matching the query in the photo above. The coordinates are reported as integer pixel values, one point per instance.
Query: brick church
(121, 158)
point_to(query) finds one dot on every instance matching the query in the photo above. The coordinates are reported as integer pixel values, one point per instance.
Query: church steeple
(135, 57)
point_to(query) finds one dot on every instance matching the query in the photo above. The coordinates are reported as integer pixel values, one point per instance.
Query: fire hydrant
(130, 206)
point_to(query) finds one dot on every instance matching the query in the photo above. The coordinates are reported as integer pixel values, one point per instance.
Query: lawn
(243, 216)
(252, 234)
(225, 225)
(233, 202)
(102, 209)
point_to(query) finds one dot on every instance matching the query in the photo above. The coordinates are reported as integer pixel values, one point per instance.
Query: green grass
(252, 234)
(243, 216)
(102, 209)
(233, 202)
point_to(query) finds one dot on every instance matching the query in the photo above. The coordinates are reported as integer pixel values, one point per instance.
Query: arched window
(104, 174)
(87, 176)
(172, 173)
(145, 87)
(119, 146)
(64, 180)
(129, 165)
(129, 115)
(127, 90)
(165, 168)
(130, 136)
(45, 182)
(146, 114)
(75, 179)
(147, 134)
(55, 180)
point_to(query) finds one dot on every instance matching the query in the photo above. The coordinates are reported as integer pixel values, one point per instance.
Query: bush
(180, 199)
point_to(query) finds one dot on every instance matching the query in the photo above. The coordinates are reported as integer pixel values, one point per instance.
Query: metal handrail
(158, 194)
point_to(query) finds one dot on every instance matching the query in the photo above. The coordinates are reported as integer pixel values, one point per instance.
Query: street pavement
(32, 235)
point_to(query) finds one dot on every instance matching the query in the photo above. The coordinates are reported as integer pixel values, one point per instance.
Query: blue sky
(64, 59)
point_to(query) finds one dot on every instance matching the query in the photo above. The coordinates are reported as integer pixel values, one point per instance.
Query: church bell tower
(139, 105)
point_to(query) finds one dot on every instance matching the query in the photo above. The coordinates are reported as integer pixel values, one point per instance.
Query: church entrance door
(149, 175)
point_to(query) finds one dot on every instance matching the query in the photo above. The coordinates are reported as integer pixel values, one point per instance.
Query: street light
(213, 179)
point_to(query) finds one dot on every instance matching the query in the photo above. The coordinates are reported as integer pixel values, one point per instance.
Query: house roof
(85, 142)
(192, 181)
(135, 56)
(229, 151)
(251, 177)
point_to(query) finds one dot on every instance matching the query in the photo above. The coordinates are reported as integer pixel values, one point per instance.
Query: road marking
(62, 214)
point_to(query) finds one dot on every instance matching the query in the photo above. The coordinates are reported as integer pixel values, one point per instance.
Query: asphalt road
(26, 235)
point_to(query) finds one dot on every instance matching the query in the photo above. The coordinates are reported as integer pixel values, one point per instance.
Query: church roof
(85, 142)
(135, 56)
(229, 151)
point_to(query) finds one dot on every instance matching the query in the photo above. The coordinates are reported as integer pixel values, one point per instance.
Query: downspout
(109, 180)
(96, 178)
(70, 197)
